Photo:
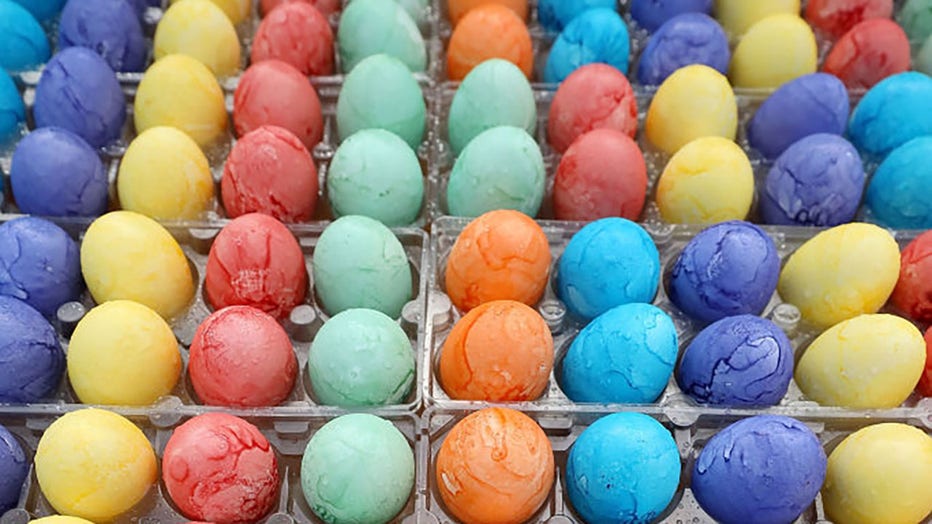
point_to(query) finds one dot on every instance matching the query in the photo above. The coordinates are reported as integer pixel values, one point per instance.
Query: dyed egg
(43, 10)
(898, 193)
(913, 292)
(597, 35)
(651, 14)
(60, 519)
(893, 112)
(164, 175)
(473, 365)
(923, 61)
(737, 16)
(868, 53)
(841, 273)
(692, 38)
(882, 473)
(837, 17)
(916, 18)
(626, 355)
(25, 45)
(370, 27)
(496, 465)
(12, 108)
(925, 382)
(235, 10)
(774, 51)
(501, 255)
(554, 15)
(489, 31)
(123, 353)
(707, 181)
(456, 9)
(608, 263)
(201, 30)
(502, 168)
(14, 466)
(125, 255)
(297, 34)
(869, 361)
(693, 102)
(110, 27)
(33, 361)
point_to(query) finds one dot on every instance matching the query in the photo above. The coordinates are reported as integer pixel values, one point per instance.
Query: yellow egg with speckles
(737, 16)
(201, 30)
(774, 51)
(236, 10)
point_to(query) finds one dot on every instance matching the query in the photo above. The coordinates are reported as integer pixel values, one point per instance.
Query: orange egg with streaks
(495, 467)
(489, 31)
(501, 255)
(456, 9)
(500, 351)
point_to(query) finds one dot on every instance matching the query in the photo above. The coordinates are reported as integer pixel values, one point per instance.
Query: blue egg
(43, 10)
(626, 355)
(625, 467)
(597, 35)
(727, 269)
(554, 15)
(693, 38)
(70, 182)
(818, 181)
(33, 361)
(109, 27)
(79, 92)
(741, 361)
(899, 193)
(815, 103)
(764, 469)
(609, 262)
(14, 466)
(895, 111)
(24, 44)
(39, 264)
(651, 14)
(12, 109)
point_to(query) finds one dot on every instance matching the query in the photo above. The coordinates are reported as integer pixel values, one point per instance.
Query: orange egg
(457, 8)
(489, 31)
(495, 467)
(500, 351)
(501, 255)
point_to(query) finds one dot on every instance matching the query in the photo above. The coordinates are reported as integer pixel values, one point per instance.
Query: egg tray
(673, 403)
(443, 158)
(287, 434)
(563, 428)
(328, 90)
(542, 40)
(302, 325)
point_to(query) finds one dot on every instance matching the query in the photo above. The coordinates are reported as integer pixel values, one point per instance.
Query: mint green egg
(371, 27)
(359, 263)
(357, 469)
(923, 60)
(916, 19)
(417, 9)
(361, 357)
(495, 93)
(381, 93)
(375, 174)
(502, 168)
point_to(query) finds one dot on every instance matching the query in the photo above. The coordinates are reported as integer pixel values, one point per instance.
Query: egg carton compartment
(562, 430)
(542, 41)
(301, 325)
(655, 159)
(672, 402)
(328, 90)
(288, 435)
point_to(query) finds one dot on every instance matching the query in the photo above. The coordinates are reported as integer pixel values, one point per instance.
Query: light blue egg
(554, 15)
(43, 10)
(597, 35)
(12, 109)
(23, 44)
(898, 194)
(893, 112)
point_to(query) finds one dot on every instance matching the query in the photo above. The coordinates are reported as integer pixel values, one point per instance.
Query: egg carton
(673, 403)
(543, 39)
(302, 324)
(328, 90)
(288, 435)
(443, 157)
(563, 428)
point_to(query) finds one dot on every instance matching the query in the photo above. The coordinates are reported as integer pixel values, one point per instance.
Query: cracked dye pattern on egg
(597, 35)
(692, 38)
(14, 466)
(33, 361)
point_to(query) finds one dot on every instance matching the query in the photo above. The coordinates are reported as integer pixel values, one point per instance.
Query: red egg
(296, 33)
(868, 53)
(837, 17)
(913, 292)
(326, 7)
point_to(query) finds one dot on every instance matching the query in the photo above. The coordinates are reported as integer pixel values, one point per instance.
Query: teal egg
(371, 27)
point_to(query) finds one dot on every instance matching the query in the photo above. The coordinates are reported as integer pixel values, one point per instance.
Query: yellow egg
(178, 91)
(94, 464)
(709, 180)
(774, 51)
(880, 474)
(123, 353)
(737, 16)
(60, 519)
(236, 10)
(870, 361)
(164, 175)
(199, 29)
(125, 255)
(694, 102)
(841, 273)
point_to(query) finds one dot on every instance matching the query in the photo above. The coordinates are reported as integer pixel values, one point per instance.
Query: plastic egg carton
(563, 428)
(328, 90)
(443, 160)
(673, 403)
(302, 325)
(288, 435)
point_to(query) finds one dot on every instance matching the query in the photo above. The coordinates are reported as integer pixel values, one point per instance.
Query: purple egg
(692, 38)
